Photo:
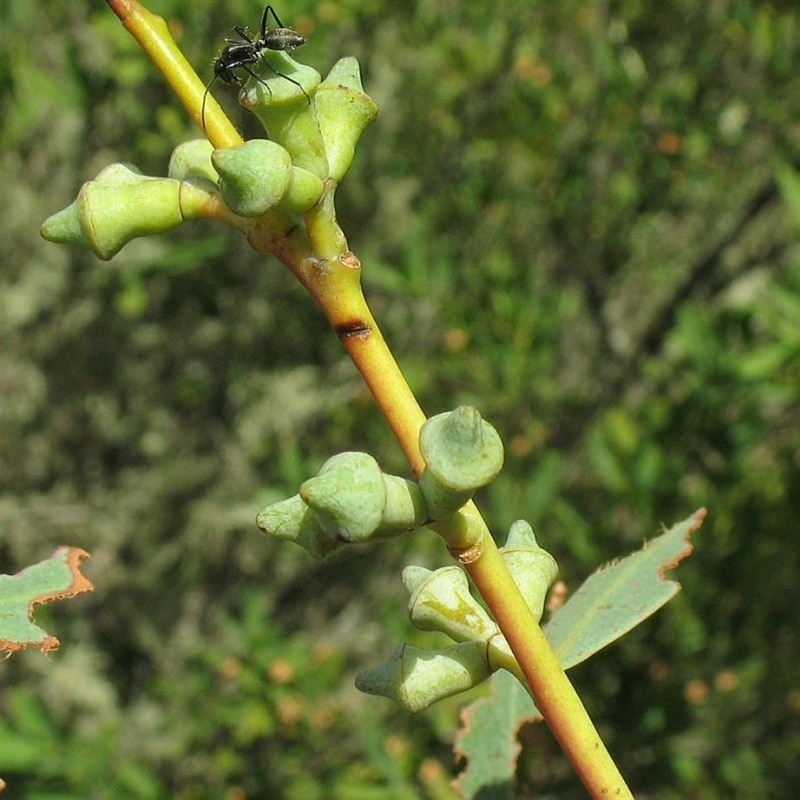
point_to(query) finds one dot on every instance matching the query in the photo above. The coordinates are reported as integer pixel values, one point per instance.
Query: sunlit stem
(152, 33)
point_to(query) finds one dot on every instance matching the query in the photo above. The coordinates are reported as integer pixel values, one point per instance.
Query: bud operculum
(293, 520)
(532, 568)
(462, 453)
(254, 176)
(349, 500)
(343, 110)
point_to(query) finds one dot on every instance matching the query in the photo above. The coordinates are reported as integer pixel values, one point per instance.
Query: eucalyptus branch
(279, 192)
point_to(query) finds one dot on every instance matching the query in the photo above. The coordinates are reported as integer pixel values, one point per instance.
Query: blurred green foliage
(580, 217)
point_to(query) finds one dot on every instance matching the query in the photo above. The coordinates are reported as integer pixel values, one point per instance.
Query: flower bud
(191, 161)
(348, 496)
(119, 205)
(254, 176)
(441, 601)
(416, 678)
(279, 97)
(532, 568)
(305, 190)
(349, 500)
(344, 110)
(462, 452)
(355, 501)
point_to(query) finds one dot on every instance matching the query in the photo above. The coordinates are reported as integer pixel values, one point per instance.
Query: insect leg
(266, 61)
(245, 35)
(265, 16)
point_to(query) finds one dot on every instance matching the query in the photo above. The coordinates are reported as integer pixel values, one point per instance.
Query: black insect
(240, 55)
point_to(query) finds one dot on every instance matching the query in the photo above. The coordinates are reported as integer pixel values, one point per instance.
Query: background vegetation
(582, 218)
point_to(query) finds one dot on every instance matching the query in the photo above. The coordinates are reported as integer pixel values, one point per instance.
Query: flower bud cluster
(441, 601)
(313, 130)
(350, 500)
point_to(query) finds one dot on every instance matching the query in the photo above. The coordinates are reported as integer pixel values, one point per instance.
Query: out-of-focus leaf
(54, 578)
(789, 184)
(488, 739)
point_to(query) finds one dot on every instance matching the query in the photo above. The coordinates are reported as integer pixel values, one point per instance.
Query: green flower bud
(304, 192)
(254, 176)
(191, 161)
(462, 452)
(349, 500)
(344, 110)
(285, 111)
(348, 496)
(416, 678)
(441, 601)
(292, 519)
(532, 568)
(355, 501)
(405, 507)
(119, 205)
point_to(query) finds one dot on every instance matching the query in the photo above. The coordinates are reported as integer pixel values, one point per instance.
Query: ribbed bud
(532, 568)
(344, 110)
(349, 500)
(348, 495)
(119, 205)
(441, 601)
(416, 678)
(254, 176)
(462, 452)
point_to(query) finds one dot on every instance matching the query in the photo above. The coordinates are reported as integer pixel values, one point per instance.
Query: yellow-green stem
(340, 297)
(153, 35)
(335, 285)
(554, 695)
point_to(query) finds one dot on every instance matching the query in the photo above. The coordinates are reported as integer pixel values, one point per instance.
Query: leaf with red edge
(620, 595)
(56, 578)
